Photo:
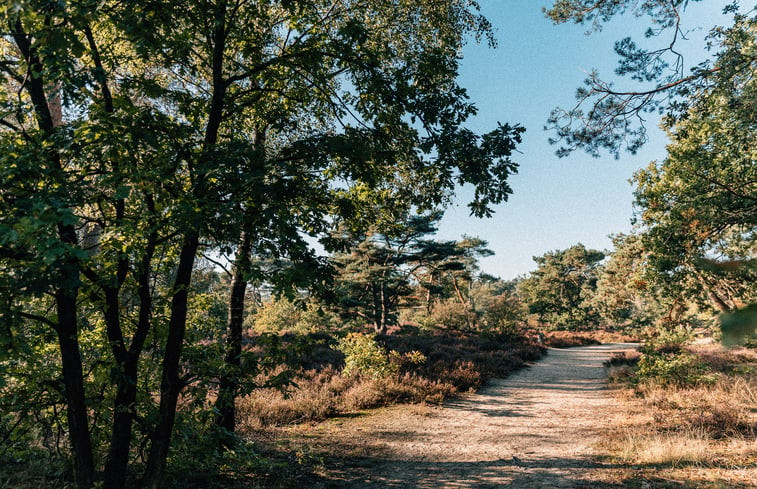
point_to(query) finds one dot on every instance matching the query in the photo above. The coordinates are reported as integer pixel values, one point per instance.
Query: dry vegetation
(427, 368)
(698, 435)
(567, 339)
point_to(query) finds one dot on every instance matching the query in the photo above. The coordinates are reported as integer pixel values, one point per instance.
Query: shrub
(620, 358)
(276, 316)
(667, 340)
(417, 367)
(567, 339)
(362, 354)
(681, 369)
(280, 315)
(451, 314)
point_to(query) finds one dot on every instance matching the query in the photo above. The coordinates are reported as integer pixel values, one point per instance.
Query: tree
(628, 292)
(450, 272)
(698, 207)
(610, 118)
(153, 159)
(375, 272)
(557, 291)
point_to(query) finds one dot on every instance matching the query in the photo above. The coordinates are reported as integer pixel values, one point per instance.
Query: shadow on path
(535, 429)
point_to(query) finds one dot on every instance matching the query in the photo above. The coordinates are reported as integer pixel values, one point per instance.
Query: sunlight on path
(535, 429)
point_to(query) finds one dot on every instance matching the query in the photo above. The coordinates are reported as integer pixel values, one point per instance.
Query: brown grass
(454, 362)
(673, 449)
(567, 339)
(701, 435)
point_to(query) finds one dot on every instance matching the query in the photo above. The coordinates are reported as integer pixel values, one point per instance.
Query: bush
(567, 339)
(280, 315)
(416, 367)
(667, 340)
(276, 316)
(680, 369)
(363, 355)
(451, 314)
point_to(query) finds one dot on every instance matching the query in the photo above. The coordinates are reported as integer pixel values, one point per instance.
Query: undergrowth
(364, 372)
(688, 411)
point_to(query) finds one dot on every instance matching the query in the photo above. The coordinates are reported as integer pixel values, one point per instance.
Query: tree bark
(385, 308)
(73, 379)
(229, 381)
(171, 384)
(124, 408)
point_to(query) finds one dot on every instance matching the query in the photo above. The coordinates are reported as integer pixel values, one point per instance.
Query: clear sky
(556, 202)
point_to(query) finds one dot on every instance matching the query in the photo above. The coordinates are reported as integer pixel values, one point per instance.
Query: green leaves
(560, 289)
(699, 204)
(612, 119)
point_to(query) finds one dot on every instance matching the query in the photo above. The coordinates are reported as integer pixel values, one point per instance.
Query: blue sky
(556, 202)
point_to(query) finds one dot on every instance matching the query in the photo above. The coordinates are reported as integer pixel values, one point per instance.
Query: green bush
(451, 314)
(279, 315)
(679, 369)
(363, 355)
(667, 340)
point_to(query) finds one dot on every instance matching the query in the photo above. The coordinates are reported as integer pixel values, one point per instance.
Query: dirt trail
(535, 429)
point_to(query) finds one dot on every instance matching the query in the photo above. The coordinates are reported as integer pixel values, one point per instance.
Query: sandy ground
(536, 429)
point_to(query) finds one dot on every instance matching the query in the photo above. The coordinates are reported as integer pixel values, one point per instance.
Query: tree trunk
(171, 384)
(124, 408)
(377, 311)
(117, 462)
(385, 308)
(229, 381)
(717, 301)
(73, 379)
(65, 295)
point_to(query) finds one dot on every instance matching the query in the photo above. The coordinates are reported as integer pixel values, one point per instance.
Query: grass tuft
(671, 449)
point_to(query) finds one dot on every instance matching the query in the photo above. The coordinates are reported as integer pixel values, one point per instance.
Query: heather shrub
(361, 371)
(567, 339)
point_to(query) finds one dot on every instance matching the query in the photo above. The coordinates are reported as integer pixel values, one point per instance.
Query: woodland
(220, 215)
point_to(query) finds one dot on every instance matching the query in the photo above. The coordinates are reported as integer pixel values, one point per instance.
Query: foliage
(396, 265)
(626, 295)
(363, 355)
(499, 306)
(558, 291)
(281, 314)
(665, 362)
(606, 117)
(452, 314)
(667, 340)
(430, 368)
(697, 206)
(679, 369)
(136, 136)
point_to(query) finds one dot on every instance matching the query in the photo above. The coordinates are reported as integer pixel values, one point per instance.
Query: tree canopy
(661, 79)
(558, 291)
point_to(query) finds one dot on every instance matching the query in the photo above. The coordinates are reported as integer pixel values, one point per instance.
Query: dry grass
(673, 449)
(454, 362)
(701, 435)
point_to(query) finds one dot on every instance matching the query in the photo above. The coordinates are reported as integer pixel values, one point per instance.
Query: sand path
(537, 428)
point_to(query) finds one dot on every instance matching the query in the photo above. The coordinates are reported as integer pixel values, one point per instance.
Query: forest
(219, 217)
